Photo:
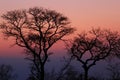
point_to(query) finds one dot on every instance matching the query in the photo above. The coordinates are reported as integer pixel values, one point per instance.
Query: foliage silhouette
(69, 73)
(96, 45)
(6, 72)
(66, 72)
(36, 30)
(114, 71)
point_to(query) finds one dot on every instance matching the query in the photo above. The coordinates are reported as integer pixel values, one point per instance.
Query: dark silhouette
(70, 73)
(67, 72)
(61, 74)
(96, 45)
(6, 72)
(36, 30)
(114, 71)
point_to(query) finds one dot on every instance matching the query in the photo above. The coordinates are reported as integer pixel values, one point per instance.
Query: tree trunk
(86, 74)
(42, 73)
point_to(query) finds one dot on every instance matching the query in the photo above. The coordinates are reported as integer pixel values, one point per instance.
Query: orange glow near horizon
(83, 14)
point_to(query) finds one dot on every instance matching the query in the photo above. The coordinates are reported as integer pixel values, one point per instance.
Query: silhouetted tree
(64, 69)
(114, 71)
(31, 77)
(96, 45)
(67, 72)
(6, 72)
(70, 73)
(36, 30)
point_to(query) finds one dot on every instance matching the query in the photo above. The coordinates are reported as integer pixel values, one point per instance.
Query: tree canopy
(96, 45)
(36, 30)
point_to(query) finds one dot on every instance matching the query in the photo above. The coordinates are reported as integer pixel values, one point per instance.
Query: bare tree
(96, 45)
(64, 69)
(36, 30)
(67, 72)
(70, 74)
(6, 72)
(114, 71)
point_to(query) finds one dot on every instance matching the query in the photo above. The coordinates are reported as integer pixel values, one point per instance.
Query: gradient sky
(83, 15)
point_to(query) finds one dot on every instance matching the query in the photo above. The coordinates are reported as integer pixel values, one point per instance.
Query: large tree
(36, 30)
(96, 45)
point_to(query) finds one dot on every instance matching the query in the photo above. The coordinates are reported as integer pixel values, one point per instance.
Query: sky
(83, 14)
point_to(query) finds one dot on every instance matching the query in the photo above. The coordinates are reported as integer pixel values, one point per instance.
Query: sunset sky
(83, 15)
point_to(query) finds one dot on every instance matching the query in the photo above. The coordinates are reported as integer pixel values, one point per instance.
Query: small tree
(6, 72)
(36, 30)
(114, 71)
(96, 45)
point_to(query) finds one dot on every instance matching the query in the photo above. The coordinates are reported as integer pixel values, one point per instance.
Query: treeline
(36, 30)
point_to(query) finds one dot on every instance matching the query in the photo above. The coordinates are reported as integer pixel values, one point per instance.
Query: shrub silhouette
(6, 72)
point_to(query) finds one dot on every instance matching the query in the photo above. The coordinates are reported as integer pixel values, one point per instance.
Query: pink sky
(83, 14)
